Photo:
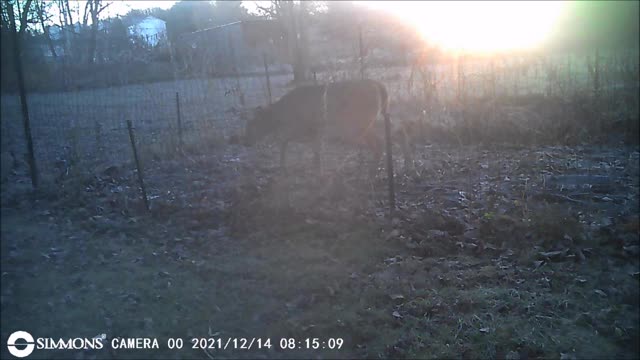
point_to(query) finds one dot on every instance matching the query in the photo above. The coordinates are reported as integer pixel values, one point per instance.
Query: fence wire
(88, 126)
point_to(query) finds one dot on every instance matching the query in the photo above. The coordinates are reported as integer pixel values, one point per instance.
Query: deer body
(345, 112)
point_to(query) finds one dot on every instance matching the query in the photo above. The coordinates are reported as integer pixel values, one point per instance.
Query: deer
(348, 112)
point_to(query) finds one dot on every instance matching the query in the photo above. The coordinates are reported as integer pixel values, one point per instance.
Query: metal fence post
(180, 143)
(236, 73)
(98, 130)
(266, 73)
(361, 52)
(390, 176)
(137, 160)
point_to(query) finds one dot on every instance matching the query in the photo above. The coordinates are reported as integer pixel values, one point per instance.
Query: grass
(237, 248)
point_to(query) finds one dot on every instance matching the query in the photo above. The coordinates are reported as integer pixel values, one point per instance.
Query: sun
(479, 26)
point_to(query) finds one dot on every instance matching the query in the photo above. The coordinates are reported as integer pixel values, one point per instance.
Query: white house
(58, 36)
(151, 29)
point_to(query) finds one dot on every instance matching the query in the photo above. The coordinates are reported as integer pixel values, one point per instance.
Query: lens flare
(479, 26)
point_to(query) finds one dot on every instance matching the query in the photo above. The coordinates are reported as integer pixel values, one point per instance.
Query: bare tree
(43, 9)
(302, 41)
(67, 10)
(16, 39)
(22, 11)
(95, 8)
(66, 24)
(293, 16)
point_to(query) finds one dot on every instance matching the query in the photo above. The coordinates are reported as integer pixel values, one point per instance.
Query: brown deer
(344, 111)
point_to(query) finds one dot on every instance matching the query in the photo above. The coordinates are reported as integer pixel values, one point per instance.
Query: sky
(479, 25)
(120, 7)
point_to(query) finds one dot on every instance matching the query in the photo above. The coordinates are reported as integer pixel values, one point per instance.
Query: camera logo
(22, 339)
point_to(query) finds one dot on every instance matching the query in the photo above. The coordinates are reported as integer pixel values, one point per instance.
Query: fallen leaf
(394, 233)
(632, 250)
(538, 264)
(513, 355)
(305, 328)
(600, 292)
(331, 291)
(553, 255)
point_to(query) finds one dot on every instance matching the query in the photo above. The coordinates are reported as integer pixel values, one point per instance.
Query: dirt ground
(494, 252)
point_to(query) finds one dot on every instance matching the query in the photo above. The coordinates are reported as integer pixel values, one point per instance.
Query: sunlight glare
(479, 26)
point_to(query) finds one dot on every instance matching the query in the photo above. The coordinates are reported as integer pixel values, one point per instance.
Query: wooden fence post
(23, 97)
(135, 157)
(266, 73)
(390, 176)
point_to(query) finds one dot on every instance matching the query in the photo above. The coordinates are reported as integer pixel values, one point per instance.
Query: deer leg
(407, 149)
(317, 150)
(375, 147)
(283, 153)
(361, 160)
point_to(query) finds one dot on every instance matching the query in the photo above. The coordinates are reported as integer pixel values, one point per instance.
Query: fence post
(179, 121)
(23, 98)
(98, 129)
(492, 81)
(135, 157)
(236, 73)
(266, 73)
(460, 78)
(361, 52)
(390, 176)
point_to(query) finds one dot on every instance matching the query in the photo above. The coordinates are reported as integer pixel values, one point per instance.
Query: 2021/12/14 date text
(266, 343)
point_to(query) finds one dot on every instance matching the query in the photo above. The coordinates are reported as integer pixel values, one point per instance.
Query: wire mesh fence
(88, 127)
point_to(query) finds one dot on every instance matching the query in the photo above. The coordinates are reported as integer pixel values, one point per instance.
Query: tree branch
(23, 18)
(85, 15)
(104, 7)
(267, 10)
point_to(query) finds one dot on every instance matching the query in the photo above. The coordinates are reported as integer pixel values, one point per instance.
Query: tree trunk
(23, 14)
(68, 29)
(297, 45)
(303, 41)
(45, 29)
(23, 95)
(92, 41)
(95, 9)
